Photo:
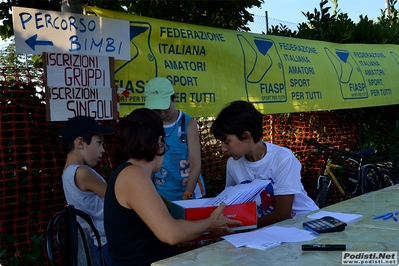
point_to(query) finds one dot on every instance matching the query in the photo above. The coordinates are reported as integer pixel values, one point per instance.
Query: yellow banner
(210, 67)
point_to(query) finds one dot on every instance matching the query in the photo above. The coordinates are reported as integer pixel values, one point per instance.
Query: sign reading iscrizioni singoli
(79, 85)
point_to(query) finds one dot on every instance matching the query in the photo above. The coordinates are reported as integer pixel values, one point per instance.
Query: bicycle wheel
(371, 178)
(321, 193)
(388, 179)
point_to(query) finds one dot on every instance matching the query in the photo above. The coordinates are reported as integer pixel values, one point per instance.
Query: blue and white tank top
(171, 179)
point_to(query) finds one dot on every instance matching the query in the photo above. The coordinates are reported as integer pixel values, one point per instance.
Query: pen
(311, 230)
(384, 215)
(323, 247)
(394, 216)
(380, 216)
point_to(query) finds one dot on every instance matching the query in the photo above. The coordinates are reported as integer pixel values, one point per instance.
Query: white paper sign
(37, 31)
(79, 85)
(93, 102)
(77, 71)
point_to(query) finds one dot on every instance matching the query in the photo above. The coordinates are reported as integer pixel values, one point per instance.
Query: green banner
(209, 67)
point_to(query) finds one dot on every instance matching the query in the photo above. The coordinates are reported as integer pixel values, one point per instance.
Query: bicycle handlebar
(367, 152)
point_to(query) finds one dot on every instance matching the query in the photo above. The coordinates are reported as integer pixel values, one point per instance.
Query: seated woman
(138, 225)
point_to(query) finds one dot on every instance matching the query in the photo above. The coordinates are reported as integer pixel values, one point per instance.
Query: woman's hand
(219, 223)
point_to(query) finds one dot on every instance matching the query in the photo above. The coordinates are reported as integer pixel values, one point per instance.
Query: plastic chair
(63, 230)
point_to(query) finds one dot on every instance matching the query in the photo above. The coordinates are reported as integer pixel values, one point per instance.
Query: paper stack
(239, 194)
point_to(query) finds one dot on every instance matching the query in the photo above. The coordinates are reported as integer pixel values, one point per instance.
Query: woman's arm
(134, 190)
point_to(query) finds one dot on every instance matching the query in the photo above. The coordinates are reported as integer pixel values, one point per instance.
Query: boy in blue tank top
(180, 174)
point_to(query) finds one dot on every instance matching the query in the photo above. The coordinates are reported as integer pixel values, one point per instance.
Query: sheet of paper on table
(268, 237)
(344, 217)
(239, 194)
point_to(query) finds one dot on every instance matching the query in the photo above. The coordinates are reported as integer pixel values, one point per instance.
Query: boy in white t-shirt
(239, 127)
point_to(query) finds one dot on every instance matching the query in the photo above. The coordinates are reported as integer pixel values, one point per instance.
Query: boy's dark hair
(137, 136)
(86, 138)
(81, 126)
(236, 118)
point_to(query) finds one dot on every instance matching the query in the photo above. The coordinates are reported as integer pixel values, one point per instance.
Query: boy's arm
(194, 155)
(87, 180)
(282, 211)
(288, 182)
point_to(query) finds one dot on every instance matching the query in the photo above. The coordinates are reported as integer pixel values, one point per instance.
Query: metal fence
(261, 22)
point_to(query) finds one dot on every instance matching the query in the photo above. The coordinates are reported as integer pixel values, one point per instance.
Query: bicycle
(386, 178)
(386, 166)
(359, 178)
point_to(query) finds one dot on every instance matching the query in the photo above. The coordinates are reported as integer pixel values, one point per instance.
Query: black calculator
(325, 224)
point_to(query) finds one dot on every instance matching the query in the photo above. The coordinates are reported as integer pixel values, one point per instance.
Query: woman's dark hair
(137, 136)
(236, 118)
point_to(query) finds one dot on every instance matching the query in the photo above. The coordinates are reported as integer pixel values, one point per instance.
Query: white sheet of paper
(251, 238)
(345, 217)
(263, 245)
(287, 234)
(269, 237)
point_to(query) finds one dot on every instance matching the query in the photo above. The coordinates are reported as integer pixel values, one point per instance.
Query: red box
(195, 210)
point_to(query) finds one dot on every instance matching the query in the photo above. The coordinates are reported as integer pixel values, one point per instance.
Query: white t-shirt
(283, 169)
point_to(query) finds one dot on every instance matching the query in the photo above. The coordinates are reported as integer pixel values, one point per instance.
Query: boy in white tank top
(82, 140)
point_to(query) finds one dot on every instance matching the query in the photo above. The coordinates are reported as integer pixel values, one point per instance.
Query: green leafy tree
(230, 14)
(332, 25)
(10, 58)
(324, 26)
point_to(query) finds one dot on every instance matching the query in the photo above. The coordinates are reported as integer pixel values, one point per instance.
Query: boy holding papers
(239, 127)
